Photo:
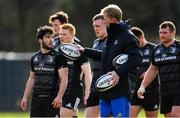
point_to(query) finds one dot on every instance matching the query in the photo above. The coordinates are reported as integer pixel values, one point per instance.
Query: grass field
(26, 114)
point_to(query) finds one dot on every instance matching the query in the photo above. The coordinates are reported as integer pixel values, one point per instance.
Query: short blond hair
(112, 11)
(69, 27)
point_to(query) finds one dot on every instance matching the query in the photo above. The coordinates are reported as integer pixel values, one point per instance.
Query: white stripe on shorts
(76, 103)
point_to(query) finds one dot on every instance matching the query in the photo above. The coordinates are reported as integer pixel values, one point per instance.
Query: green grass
(14, 114)
(26, 114)
(142, 115)
(23, 114)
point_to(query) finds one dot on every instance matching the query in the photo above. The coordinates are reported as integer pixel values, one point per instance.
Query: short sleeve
(152, 57)
(61, 61)
(82, 60)
(32, 64)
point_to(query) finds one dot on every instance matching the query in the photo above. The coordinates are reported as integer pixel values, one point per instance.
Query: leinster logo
(50, 59)
(115, 42)
(146, 52)
(172, 50)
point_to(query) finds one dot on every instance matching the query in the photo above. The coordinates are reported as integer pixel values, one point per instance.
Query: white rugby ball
(104, 82)
(120, 59)
(70, 51)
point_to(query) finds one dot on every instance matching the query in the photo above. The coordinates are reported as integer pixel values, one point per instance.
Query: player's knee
(174, 113)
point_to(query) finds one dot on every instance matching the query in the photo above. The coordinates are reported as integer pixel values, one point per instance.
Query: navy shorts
(149, 103)
(42, 107)
(168, 101)
(93, 100)
(72, 101)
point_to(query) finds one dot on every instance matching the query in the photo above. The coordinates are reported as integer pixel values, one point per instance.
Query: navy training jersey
(96, 69)
(147, 52)
(120, 41)
(45, 67)
(167, 59)
(57, 42)
(75, 82)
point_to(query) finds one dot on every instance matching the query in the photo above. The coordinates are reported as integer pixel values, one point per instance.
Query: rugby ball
(104, 82)
(70, 51)
(120, 59)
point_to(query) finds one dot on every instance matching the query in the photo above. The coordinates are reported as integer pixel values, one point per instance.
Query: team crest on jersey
(50, 59)
(172, 50)
(146, 52)
(115, 42)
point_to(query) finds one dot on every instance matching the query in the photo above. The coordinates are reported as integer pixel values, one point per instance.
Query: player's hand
(24, 103)
(57, 102)
(86, 96)
(141, 91)
(81, 49)
(115, 78)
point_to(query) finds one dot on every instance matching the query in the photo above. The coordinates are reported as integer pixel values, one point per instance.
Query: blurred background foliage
(21, 18)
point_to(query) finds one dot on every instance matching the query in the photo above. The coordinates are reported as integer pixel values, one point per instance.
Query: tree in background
(20, 18)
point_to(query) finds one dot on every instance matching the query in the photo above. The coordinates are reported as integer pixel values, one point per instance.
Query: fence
(14, 71)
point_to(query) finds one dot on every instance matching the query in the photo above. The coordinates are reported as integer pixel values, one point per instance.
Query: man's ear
(141, 38)
(40, 40)
(113, 20)
(174, 32)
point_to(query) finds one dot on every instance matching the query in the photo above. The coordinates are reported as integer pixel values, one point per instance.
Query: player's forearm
(149, 76)
(63, 75)
(88, 80)
(29, 87)
(86, 68)
(62, 87)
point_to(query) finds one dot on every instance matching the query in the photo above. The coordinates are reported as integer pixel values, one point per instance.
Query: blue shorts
(119, 107)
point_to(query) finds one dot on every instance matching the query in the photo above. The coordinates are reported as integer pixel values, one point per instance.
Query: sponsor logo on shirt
(44, 69)
(165, 58)
(145, 60)
(70, 62)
